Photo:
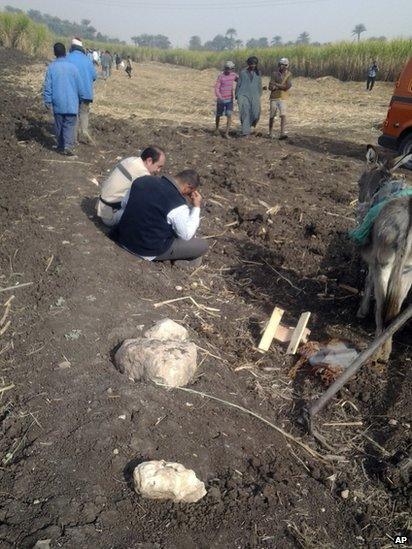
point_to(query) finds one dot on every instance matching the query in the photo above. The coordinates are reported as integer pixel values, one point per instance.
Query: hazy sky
(325, 20)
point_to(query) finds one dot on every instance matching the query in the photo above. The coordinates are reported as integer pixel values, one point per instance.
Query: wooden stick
(271, 328)
(344, 424)
(5, 327)
(4, 389)
(298, 333)
(198, 305)
(16, 287)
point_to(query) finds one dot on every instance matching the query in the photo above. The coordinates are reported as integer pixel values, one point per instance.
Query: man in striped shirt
(224, 95)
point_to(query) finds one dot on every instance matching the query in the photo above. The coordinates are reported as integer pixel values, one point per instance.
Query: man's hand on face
(196, 199)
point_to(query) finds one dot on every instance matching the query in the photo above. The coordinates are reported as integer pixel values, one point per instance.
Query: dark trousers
(184, 249)
(65, 129)
(370, 82)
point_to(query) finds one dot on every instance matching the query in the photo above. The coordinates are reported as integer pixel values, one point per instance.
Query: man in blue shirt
(62, 93)
(88, 75)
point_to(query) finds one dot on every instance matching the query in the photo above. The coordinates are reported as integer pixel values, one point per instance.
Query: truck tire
(405, 147)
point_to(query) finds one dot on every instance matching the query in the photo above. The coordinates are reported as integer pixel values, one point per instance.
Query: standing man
(128, 68)
(372, 73)
(114, 189)
(62, 93)
(88, 75)
(106, 60)
(248, 93)
(118, 60)
(279, 85)
(158, 224)
(224, 95)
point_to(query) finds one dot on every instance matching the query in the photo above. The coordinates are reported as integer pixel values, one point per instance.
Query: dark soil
(67, 455)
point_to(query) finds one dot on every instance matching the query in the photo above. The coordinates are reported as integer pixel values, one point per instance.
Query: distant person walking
(372, 73)
(224, 95)
(118, 60)
(248, 93)
(95, 57)
(62, 93)
(129, 67)
(106, 62)
(88, 75)
(279, 85)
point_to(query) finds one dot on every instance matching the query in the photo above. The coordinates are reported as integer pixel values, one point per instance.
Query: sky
(324, 20)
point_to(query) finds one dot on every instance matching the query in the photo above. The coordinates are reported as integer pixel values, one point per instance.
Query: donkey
(388, 249)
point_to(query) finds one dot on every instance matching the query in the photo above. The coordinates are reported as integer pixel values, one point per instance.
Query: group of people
(248, 92)
(151, 216)
(106, 60)
(68, 90)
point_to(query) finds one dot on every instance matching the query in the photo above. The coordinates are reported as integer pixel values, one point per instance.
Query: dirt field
(67, 453)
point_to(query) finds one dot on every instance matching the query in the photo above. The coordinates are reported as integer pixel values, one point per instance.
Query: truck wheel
(406, 147)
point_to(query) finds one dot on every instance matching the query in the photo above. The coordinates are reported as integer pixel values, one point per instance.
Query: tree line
(62, 27)
(221, 42)
(229, 41)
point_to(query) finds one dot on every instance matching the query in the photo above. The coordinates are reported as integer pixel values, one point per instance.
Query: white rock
(42, 544)
(163, 480)
(344, 494)
(172, 363)
(167, 329)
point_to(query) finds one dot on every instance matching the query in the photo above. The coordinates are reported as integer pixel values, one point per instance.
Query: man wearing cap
(88, 75)
(279, 85)
(115, 189)
(224, 95)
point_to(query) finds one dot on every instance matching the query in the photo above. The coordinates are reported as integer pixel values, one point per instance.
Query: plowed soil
(276, 215)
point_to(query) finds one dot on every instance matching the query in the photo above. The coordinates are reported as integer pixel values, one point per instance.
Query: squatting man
(153, 217)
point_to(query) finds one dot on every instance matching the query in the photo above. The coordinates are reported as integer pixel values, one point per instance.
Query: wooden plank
(297, 334)
(271, 328)
(284, 334)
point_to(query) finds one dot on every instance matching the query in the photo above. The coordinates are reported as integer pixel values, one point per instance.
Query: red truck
(397, 128)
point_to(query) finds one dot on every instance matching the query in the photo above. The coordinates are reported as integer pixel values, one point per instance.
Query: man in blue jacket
(88, 75)
(63, 92)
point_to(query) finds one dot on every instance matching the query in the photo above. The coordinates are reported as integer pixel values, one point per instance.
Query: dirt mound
(73, 427)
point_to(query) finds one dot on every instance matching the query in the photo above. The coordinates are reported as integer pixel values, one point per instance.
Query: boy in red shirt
(224, 95)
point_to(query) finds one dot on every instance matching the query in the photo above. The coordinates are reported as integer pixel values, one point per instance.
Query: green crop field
(20, 32)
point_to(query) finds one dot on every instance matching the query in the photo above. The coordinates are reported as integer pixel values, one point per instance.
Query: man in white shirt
(161, 218)
(116, 186)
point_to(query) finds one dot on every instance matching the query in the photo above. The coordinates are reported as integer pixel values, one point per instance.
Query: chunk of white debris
(344, 494)
(172, 363)
(167, 329)
(42, 544)
(163, 480)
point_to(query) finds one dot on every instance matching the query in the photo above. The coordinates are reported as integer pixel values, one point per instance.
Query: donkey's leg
(364, 307)
(381, 279)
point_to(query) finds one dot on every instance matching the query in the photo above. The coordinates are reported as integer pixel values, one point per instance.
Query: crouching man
(161, 217)
(120, 179)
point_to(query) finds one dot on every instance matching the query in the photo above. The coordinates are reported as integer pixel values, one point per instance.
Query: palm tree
(230, 34)
(303, 38)
(358, 30)
(276, 40)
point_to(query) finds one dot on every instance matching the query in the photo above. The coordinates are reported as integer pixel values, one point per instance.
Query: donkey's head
(379, 168)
